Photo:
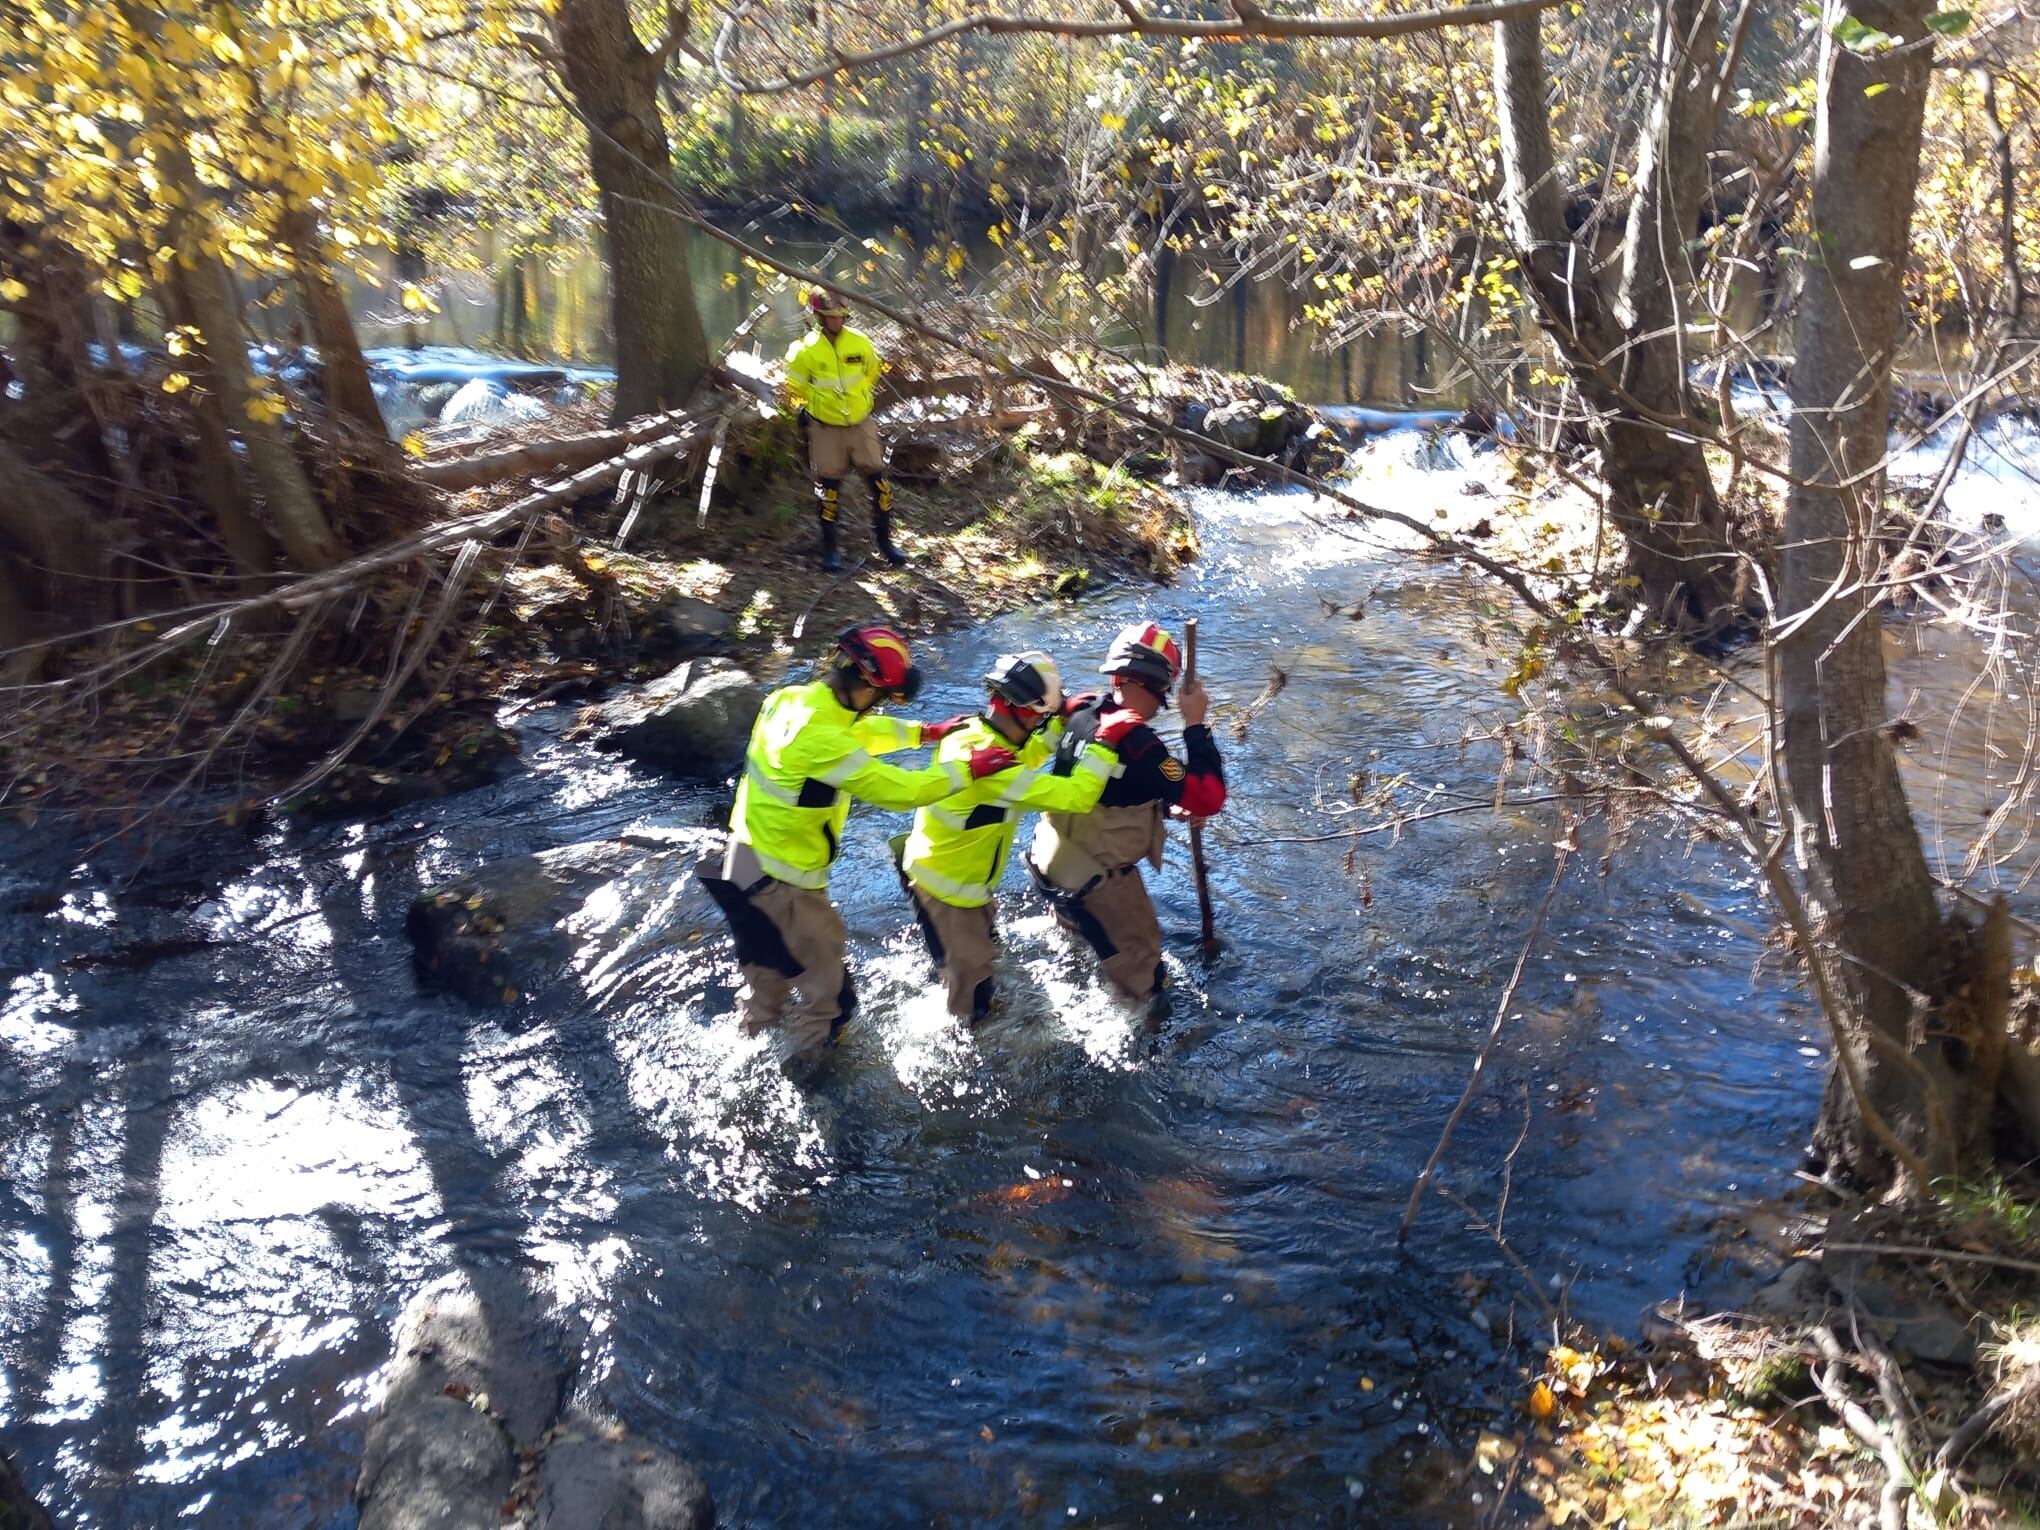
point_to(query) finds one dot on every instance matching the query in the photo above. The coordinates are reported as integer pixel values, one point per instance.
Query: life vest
(791, 805)
(835, 379)
(958, 848)
(1073, 849)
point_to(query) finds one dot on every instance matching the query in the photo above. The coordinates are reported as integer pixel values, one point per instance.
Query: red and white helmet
(824, 304)
(880, 658)
(1147, 654)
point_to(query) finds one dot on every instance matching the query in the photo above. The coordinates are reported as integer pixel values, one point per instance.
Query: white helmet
(1027, 682)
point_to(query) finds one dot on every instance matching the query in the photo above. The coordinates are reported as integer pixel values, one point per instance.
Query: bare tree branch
(1249, 21)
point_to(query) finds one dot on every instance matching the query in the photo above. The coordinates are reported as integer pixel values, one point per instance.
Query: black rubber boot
(828, 497)
(881, 533)
(881, 519)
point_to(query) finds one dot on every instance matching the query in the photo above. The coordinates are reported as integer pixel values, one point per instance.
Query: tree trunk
(342, 367)
(19, 664)
(300, 522)
(661, 349)
(208, 290)
(1872, 892)
(1629, 361)
(56, 536)
(218, 469)
(50, 358)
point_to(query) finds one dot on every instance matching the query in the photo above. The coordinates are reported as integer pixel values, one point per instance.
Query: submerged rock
(18, 1511)
(692, 722)
(507, 928)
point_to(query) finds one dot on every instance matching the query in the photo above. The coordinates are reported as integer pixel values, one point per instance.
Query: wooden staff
(1197, 864)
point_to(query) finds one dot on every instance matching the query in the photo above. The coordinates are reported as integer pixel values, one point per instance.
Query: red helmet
(1144, 652)
(824, 304)
(880, 658)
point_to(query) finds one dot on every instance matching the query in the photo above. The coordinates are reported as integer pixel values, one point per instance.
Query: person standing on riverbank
(811, 753)
(1087, 865)
(831, 380)
(952, 860)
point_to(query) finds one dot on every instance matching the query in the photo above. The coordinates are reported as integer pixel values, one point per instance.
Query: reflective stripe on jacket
(833, 378)
(958, 848)
(809, 756)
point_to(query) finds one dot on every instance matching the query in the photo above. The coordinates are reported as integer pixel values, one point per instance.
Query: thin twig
(1906, 1251)
(1479, 1063)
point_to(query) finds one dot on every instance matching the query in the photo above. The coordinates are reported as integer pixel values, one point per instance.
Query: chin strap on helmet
(1027, 686)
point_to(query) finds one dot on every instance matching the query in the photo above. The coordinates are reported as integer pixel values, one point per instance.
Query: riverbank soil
(616, 589)
(1886, 1373)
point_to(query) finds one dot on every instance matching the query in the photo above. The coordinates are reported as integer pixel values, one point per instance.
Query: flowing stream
(1062, 1272)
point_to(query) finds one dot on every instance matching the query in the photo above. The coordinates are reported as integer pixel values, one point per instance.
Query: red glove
(989, 760)
(935, 732)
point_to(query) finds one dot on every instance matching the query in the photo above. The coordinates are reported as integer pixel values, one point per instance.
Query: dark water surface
(1060, 1273)
(551, 310)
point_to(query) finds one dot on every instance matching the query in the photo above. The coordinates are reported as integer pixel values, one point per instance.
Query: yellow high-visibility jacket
(833, 379)
(809, 756)
(958, 848)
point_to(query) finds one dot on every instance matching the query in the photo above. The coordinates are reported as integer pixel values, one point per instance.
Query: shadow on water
(1060, 1270)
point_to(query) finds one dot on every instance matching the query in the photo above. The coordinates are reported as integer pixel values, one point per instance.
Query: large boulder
(1237, 425)
(618, 1483)
(470, 1435)
(692, 722)
(508, 928)
(691, 627)
(478, 1372)
(1260, 427)
(439, 1466)
(482, 1336)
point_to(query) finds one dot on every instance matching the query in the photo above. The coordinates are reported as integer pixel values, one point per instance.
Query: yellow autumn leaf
(1542, 1404)
(13, 291)
(413, 444)
(176, 382)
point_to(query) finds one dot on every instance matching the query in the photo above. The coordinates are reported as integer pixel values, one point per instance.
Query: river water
(1063, 1272)
(557, 310)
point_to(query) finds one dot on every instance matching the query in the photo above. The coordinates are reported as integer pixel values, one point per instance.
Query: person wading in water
(952, 861)
(1087, 865)
(811, 753)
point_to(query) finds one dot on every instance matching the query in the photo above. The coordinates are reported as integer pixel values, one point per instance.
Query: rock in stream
(474, 1433)
(692, 722)
(510, 927)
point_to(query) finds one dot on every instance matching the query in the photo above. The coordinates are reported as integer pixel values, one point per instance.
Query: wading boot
(881, 520)
(827, 498)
